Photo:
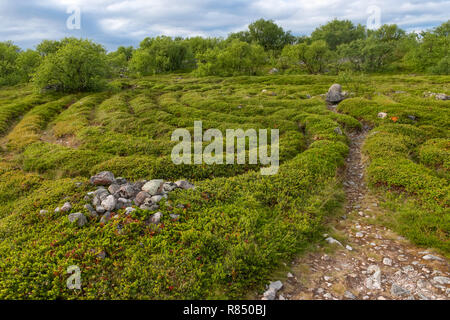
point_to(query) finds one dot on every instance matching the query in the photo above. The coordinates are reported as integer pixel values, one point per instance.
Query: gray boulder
(183, 184)
(141, 197)
(127, 191)
(109, 203)
(334, 94)
(66, 207)
(113, 188)
(77, 217)
(153, 187)
(102, 179)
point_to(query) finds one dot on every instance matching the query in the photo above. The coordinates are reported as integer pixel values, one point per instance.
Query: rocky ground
(372, 263)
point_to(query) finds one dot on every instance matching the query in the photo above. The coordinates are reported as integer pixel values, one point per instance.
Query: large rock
(77, 217)
(113, 188)
(153, 187)
(103, 179)
(109, 203)
(101, 193)
(335, 94)
(127, 191)
(141, 197)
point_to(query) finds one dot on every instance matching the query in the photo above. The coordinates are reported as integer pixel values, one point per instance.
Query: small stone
(270, 294)
(157, 198)
(156, 218)
(141, 197)
(100, 209)
(398, 291)
(277, 285)
(432, 257)
(348, 248)
(442, 280)
(185, 185)
(153, 187)
(109, 203)
(101, 193)
(359, 235)
(77, 217)
(349, 295)
(121, 180)
(169, 186)
(66, 207)
(387, 262)
(129, 210)
(149, 207)
(103, 178)
(42, 212)
(333, 241)
(328, 296)
(374, 281)
(442, 96)
(334, 94)
(57, 210)
(381, 298)
(127, 191)
(113, 188)
(408, 269)
(338, 131)
(174, 216)
(290, 275)
(382, 115)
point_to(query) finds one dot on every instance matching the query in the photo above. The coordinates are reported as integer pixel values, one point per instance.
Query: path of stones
(374, 263)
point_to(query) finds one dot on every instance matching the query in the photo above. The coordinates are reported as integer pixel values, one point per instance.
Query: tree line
(339, 46)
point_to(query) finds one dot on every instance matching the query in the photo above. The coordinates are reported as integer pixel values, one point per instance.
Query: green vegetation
(74, 65)
(237, 225)
(78, 65)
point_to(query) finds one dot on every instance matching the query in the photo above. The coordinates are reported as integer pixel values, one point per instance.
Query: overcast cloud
(117, 22)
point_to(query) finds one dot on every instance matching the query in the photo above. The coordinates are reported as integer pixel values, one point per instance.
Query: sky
(127, 22)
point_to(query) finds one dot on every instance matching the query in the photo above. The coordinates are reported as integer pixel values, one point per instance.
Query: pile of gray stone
(117, 193)
(437, 96)
(113, 194)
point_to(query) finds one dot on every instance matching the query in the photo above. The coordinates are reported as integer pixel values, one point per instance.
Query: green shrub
(78, 65)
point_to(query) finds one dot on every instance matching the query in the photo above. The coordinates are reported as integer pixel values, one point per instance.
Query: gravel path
(370, 262)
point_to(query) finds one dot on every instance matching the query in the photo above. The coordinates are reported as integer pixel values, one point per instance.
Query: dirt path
(372, 262)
